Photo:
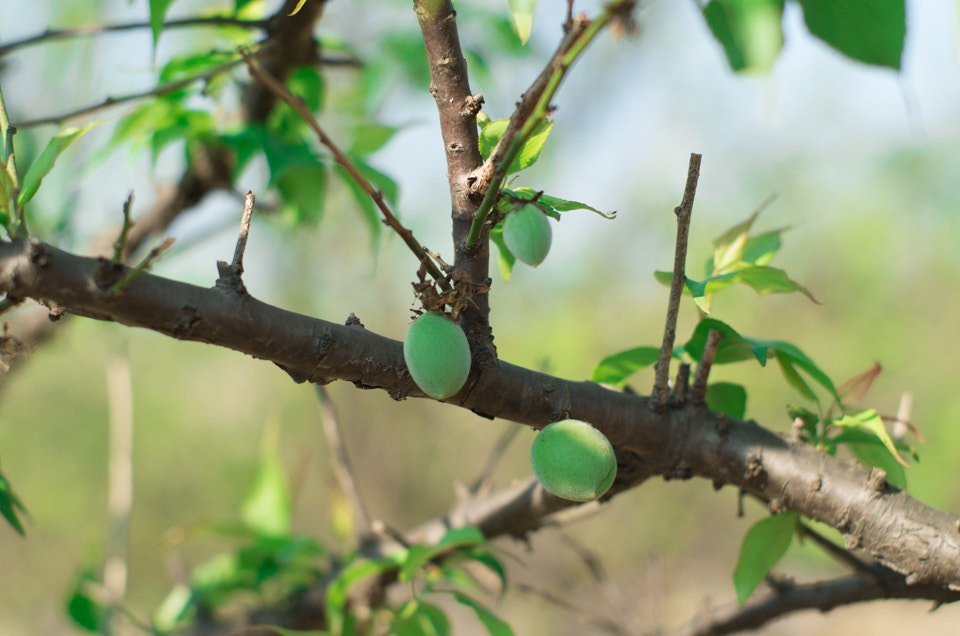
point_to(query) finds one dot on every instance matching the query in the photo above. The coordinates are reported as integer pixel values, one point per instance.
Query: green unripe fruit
(527, 234)
(573, 460)
(437, 355)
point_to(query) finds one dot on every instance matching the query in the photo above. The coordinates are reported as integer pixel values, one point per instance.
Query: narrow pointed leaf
(44, 162)
(522, 11)
(267, 507)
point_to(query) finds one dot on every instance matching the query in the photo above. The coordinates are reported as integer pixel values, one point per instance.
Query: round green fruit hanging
(573, 460)
(527, 234)
(437, 355)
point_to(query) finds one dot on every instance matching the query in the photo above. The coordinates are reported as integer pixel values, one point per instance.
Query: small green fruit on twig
(527, 234)
(573, 460)
(437, 354)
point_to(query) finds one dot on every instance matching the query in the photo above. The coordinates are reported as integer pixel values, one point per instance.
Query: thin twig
(340, 461)
(93, 30)
(706, 362)
(494, 457)
(248, 202)
(110, 102)
(661, 391)
(843, 556)
(534, 108)
(120, 245)
(280, 91)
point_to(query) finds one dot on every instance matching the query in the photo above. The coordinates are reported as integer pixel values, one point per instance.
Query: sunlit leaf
(872, 32)
(522, 11)
(158, 13)
(174, 609)
(617, 368)
(763, 545)
(868, 420)
(267, 507)
(529, 152)
(297, 8)
(44, 162)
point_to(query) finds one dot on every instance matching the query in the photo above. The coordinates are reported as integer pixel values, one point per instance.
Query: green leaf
(419, 555)
(43, 164)
(369, 138)
(749, 30)
(522, 11)
(869, 421)
(763, 545)
(872, 453)
(267, 507)
(529, 152)
(507, 260)
(10, 503)
(158, 13)
(617, 368)
(760, 249)
(297, 8)
(303, 190)
(83, 608)
(727, 398)
(355, 572)
(555, 203)
(872, 32)
(495, 626)
(174, 609)
(733, 347)
(483, 556)
(280, 631)
(728, 248)
(423, 620)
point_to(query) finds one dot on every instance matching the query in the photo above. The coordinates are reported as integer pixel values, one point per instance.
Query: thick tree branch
(899, 532)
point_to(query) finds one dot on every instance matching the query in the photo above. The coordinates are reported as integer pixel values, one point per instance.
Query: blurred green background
(864, 163)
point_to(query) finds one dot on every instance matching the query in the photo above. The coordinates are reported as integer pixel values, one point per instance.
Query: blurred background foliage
(864, 163)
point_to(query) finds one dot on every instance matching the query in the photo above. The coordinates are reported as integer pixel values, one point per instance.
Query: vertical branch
(120, 486)
(248, 202)
(458, 108)
(661, 391)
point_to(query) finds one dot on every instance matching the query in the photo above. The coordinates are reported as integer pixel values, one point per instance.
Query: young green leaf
(10, 503)
(370, 137)
(872, 32)
(416, 618)
(365, 206)
(43, 164)
(763, 545)
(529, 152)
(83, 608)
(872, 453)
(869, 421)
(158, 13)
(267, 507)
(495, 625)
(522, 11)
(555, 204)
(749, 30)
(727, 398)
(507, 260)
(617, 368)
